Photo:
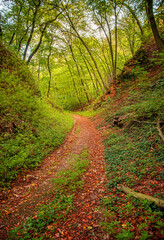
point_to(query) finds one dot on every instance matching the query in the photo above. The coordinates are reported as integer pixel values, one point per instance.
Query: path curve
(27, 192)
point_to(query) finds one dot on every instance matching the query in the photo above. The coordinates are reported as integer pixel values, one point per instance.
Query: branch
(144, 122)
(158, 202)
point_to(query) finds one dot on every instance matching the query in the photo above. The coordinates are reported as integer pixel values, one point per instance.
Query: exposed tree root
(158, 202)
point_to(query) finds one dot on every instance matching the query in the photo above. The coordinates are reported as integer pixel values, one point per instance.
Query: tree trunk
(12, 38)
(109, 39)
(49, 70)
(149, 10)
(20, 42)
(96, 80)
(38, 45)
(85, 45)
(115, 59)
(111, 49)
(78, 70)
(77, 94)
(32, 30)
(94, 86)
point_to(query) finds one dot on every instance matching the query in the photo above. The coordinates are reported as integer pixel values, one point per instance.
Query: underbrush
(44, 223)
(29, 127)
(134, 156)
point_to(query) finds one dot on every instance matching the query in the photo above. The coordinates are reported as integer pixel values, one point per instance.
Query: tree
(150, 15)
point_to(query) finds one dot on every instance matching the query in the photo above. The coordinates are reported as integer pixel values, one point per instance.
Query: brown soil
(29, 191)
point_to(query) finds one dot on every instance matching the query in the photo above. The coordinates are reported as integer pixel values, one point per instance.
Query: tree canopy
(76, 48)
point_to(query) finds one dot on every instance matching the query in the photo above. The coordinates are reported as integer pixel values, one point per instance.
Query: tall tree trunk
(32, 30)
(77, 94)
(106, 60)
(115, 59)
(150, 15)
(122, 48)
(78, 70)
(20, 42)
(90, 74)
(49, 70)
(109, 40)
(12, 38)
(14, 33)
(1, 33)
(85, 45)
(95, 77)
(111, 49)
(26, 31)
(38, 45)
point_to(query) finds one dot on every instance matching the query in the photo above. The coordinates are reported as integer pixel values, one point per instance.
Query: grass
(70, 179)
(90, 112)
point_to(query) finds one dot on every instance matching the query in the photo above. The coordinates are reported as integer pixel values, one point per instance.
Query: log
(158, 202)
(159, 130)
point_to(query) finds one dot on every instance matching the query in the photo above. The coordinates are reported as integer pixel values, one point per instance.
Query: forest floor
(30, 190)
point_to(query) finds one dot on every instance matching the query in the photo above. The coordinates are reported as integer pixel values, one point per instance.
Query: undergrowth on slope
(134, 152)
(29, 128)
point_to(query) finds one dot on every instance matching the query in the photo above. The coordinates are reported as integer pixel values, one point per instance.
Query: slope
(134, 153)
(29, 127)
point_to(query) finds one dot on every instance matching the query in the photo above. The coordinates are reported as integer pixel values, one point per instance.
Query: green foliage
(151, 101)
(125, 234)
(29, 128)
(130, 156)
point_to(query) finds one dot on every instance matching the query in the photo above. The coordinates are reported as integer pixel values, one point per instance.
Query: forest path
(28, 192)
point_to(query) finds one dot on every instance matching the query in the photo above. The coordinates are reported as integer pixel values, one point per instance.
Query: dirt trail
(28, 192)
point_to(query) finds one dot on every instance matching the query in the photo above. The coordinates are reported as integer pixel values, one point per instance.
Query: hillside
(134, 152)
(29, 127)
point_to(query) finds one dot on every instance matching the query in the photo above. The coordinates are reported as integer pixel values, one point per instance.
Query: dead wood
(158, 202)
(143, 122)
(160, 130)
